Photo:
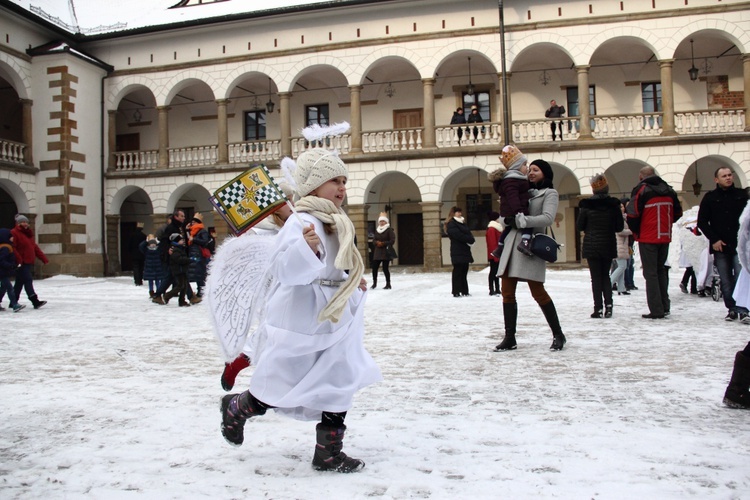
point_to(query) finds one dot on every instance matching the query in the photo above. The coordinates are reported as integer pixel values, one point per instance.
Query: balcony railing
(710, 121)
(136, 160)
(340, 143)
(634, 125)
(254, 151)
(405, 139)
(455, 136)
(12, 152)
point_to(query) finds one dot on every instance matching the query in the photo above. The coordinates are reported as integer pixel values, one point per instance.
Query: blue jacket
(8, 261)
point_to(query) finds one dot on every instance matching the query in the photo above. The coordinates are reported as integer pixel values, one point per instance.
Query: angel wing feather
(237, 287)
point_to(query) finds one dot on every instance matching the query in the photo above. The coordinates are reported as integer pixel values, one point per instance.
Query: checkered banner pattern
(248, 198)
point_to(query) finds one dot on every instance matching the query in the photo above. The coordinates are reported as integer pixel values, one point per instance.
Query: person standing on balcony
(459, 119)
(475, 117)
(719, 219)
(652, 210)
(555, 111)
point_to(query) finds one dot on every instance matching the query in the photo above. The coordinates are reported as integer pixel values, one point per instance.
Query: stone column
(358, 215)
(746, 74)
(113, 245)
(223, 157)
(428, 89)
(111, 139)
(432, 238)
(584, 105)
(356, 118)
(286, 123)
(27, 132)
(667, 97)
(163, 136)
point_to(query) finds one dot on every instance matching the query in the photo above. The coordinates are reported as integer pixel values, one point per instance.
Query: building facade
(104, 130)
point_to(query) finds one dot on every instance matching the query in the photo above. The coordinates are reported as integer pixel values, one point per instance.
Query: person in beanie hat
(600, 219)
(511, 184)
(8, 266)
(153, 271)
(198, 238)
(492, 236)
(383, 239)
(514, 266)
(27, 251)
(314, 360)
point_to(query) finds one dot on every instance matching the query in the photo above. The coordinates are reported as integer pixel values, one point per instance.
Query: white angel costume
(741, 293)
(308, 366)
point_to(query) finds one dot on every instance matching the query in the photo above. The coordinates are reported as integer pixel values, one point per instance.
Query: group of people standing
(18, 252)
(176, 255)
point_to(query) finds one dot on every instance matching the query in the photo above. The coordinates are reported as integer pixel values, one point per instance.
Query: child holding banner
(314, 359)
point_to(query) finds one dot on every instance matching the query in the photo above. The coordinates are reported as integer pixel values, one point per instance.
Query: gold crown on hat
(598, 182)
(509, 155)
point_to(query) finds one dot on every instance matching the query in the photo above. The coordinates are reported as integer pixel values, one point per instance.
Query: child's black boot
(328, 454)
(235, 410)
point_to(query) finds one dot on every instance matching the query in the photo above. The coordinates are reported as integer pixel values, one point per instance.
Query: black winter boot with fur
(328, 454)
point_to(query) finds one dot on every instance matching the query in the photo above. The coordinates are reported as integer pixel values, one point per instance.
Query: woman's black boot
(510, 317)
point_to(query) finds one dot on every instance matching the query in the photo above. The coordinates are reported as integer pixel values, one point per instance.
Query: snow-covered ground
(106, 395)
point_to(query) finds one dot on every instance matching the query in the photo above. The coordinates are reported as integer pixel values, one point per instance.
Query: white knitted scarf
(347, 258)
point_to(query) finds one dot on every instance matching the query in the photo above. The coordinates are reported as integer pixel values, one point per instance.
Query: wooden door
(408, 118)
(128, 142)
(410, 240)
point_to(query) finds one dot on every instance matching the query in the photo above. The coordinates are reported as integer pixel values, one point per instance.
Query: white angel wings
(237, 289)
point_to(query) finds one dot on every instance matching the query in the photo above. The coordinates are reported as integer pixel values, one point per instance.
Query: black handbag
(390, 253)
(545, 247)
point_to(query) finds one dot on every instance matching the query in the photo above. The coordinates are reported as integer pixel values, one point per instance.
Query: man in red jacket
(652, 210)
(27, 251)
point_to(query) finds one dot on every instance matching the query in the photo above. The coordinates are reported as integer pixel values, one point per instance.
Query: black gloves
(510, 221)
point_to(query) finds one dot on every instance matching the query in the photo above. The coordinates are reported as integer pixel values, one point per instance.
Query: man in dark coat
(176, 226)
(652, 210)
(719, 219)
(459, 119)
(555, 111)
(134, 247)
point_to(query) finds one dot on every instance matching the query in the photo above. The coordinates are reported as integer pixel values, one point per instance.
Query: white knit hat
(315, 167)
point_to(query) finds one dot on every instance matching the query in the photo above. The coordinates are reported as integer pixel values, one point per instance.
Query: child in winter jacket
(153, 271)
(178, 265)
(511, 184)
(8, 266)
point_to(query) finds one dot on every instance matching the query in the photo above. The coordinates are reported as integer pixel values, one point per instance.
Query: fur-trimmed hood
(497, 175)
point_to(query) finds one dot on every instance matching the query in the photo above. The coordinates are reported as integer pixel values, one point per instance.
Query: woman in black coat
(600, 218)
(383, 239)
(461, 241)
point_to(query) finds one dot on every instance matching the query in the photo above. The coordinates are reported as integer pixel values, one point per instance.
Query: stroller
(715, 286)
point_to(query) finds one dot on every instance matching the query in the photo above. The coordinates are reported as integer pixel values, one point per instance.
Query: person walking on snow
(8, 266)
(27, 251)
(314, 359)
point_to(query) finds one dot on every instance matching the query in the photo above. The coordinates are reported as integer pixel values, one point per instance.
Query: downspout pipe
(504, 83)
(102, 112)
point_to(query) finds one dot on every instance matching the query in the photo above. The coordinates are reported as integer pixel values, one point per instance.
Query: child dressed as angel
(314, 359)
